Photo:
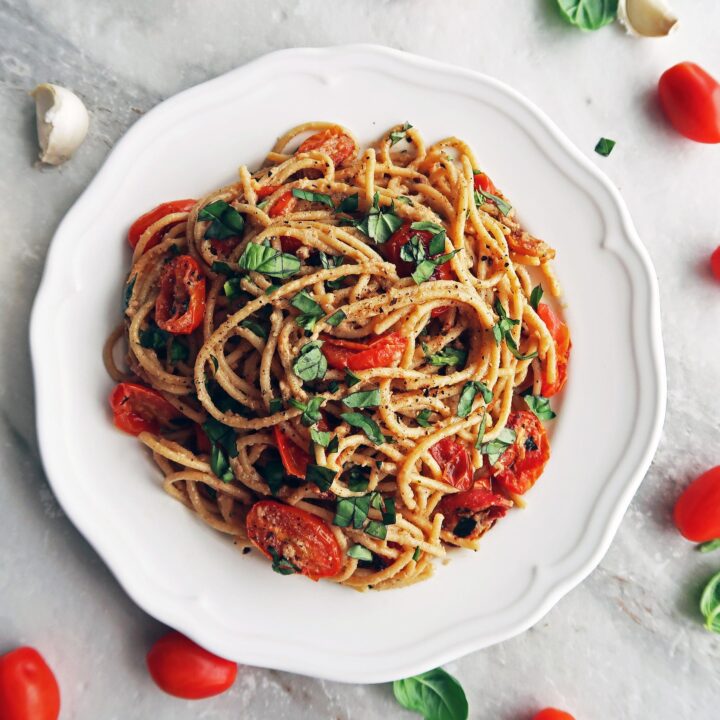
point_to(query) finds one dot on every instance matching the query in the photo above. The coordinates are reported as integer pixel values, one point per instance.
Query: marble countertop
(627, 643)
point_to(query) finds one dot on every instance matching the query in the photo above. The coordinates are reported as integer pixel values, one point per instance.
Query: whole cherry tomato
(561, 336)
(294, 459)
(333, 141)
(697, 511)
(152, 216)
(552, 714)
(301, 539)
(455, 462)
(137, 409)
(28, 688)
(385, 351)
(690, 98)
(182, 668)
(180, 306)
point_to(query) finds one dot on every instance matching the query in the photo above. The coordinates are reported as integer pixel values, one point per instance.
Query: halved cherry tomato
(383, 352)
(690, 98)
(561, 336)
(295, 535)
(28, 688)
(152, 216)
(182, 668)
(180, 306)
(391, 250)
(294, 459)
(137, 409)
(479, 503)
(715, 263)
(332, 141)
(484, 183)
(697, 511)
(283, 205)
(552, 714)
(267, 190)
(455, 462)
(523, 462)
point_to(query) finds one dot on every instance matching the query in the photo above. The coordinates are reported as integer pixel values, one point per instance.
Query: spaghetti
(342, 358)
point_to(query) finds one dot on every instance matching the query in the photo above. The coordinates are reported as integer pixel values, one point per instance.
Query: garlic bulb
(646, 18)
(62, 122)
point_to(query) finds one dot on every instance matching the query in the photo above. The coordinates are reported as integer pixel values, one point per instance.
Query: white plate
(191, 577)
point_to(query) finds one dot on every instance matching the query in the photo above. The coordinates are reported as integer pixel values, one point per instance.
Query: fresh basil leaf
(348, 204)
(604, 146)
(437, 243)
(179, 351)
(413, 251)
(535, 297)
(380, 223)
(313, 197)
(336, 318)
(363, 399)
(333, 445)
(512, 345)
(310, 310)
(282, 565)
(397, 135)
(404, 199)
(481, 430)
(426, 268)
(127, 294)
(447, 356)
(214, 361)
(310, 410)
(276, 405)
(464, 527)
(221, 434)
(255, 328)
(416, 554)
(219, 464)
(333, 386)
(263, 204)
(428, 226)
(495, 448)
(225, 220)
(708, 546)
(710, 604)
(310, 364)
(351, 378)
(320, 437)
(329, 262)
(467, 396)
(268, 261)
(484, 197)
(270, 289)
(376, 529)
(540, 406)
(588, 14)
(222, 268)
(358, 478)
(359, 552)
(435, 694)
(273, 473)
(422, 418)
(232, 288)
(321, 476)
(366, 424)
(352, 511)
(154, 338)
(389, 515)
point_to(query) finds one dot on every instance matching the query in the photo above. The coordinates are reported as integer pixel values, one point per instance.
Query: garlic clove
(646, 18)
(62, 122)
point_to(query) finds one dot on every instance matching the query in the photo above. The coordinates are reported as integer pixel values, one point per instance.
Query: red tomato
(283, 205)
(455, 462)
(391, 250)
(295, 535)
(561, 336)
(484, 183)
(267, 190)
(332, 141)
(157, 213)
(522, 463)
(137, 409)
(180, 306)
(715, 262)
(690, 99)
(28, 688)
(552, 714)
(182, 668)
(697, 511)
(479, 503)
(294, 459)
(383, 352)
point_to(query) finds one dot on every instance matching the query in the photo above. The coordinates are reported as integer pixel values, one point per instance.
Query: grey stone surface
(626, 643)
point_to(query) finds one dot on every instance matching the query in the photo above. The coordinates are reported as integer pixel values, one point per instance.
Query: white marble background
(627, 643)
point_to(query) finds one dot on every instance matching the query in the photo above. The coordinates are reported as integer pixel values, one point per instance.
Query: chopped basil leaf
(336, 318)
(436, 695)
(710, 604)
(437, 243)
(329, 262)
(351, 378)
(495, 448)
(540, 406)
(484, 198)
(422, 418)
(333, 386)
(426, 268)
(416, 554)
(708, 546)
(348, 204)
(397, 135)
(388, 512)
(225, 220)
(359, 552)
(313, 196)
(467, 396)
(380, 223)
(320, 437)
(429, 226)
(310, 310)
(310, 364)
(214, 362)
(310, 411)
(273, 473)
(154, 338)
(447, 356)
(376, 529)
(464, 527)
(219, 464)
(535, 297)
(404, 199)
(481, 430)
(604, 146)
(270, 289)
(502, 330)
(221, 434)
(256, 328)
(127, 295)
(352, 511)
(221, 267)
(263, 204)
(276, 405)
(321, 476)
(268, 261)
(281, 565)
(333, 445)
(413, 251)
(358, 478)
(588, 14)
(363, 399)
(179, 351)
(512, 345)
(366, 424)
(232, 288)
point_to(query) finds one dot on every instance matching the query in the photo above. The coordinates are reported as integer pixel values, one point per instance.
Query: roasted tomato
(383, 352)
(333, 141)
(180, 306)
(523, 462)
(294, 459)
(715, 263)
(137, 409)
(151, 217)
(302, 540)
(561, 336)
(473, 512)
(552, 714)
(697, 511)
(28, 688)
(391, 250)
(182, 668)
(283, 205)
(455, 462)
(484, 183)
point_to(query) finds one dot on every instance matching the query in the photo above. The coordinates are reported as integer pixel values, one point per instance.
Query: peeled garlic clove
(62, 122)
(646, 18)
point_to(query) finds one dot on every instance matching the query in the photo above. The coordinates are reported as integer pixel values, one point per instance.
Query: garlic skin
(646, 18)
(62, 122)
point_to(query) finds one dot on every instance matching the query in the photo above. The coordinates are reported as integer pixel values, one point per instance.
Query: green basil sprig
(225, 220)
(588, 14)
(710, 604)
(435, 694)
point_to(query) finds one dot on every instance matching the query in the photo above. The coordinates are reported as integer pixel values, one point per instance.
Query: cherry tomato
(283, 205)
(28, 688)
(391, 250)
(561, 336)
(479, 503)
(157, 213)
(182, 668)
(455, 462)
(552, 714)
(294, 459)
(137, 409)
(484, 183)
(383, 352)
(332, 141)
(690, 99)
(523, 462)
(267, 190)
(697, 511)
(180, 306)
(295, 535)
(715, 262)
